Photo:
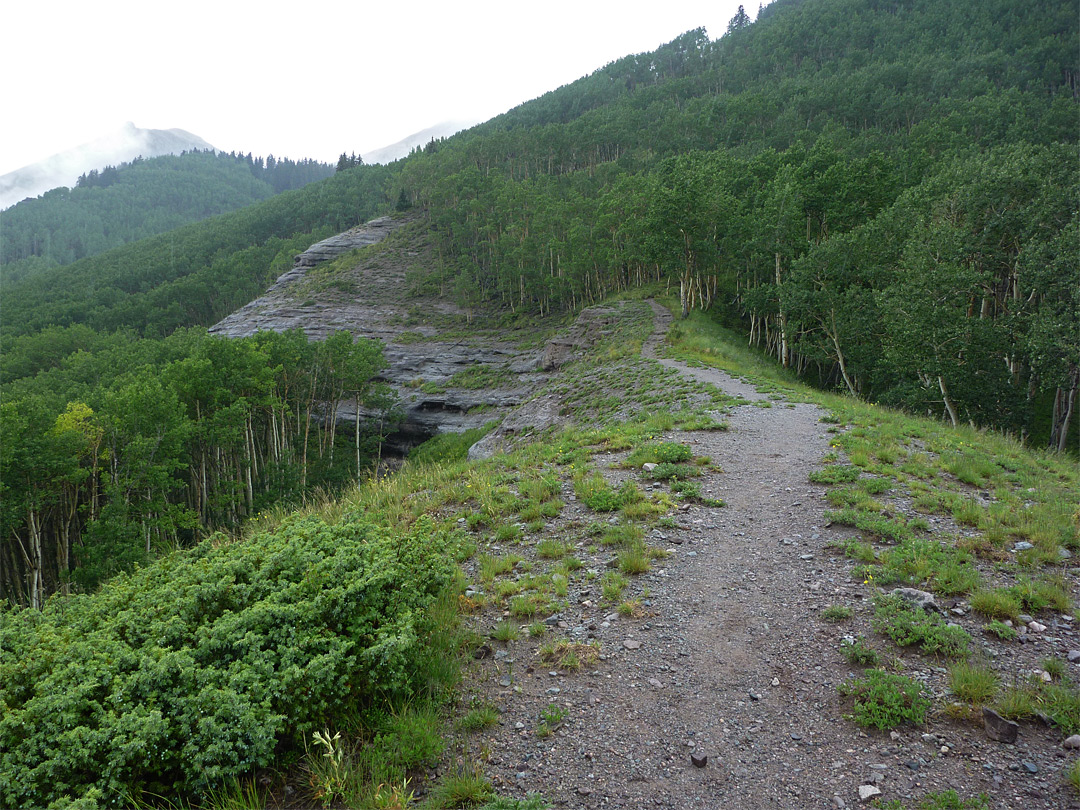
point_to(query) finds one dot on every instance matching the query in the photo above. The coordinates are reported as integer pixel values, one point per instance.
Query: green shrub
(660, 453)
(1001, 630)
(859, 653)
(836, 613)
(884, 700)
(835, 474)
(907, 625)
(193, 670)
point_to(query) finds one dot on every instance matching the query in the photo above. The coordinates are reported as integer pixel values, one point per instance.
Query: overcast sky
(309, 79)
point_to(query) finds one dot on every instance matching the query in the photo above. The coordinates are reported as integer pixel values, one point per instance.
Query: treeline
(125, 203)
(103, 468)
(194, 275)
(881, 195)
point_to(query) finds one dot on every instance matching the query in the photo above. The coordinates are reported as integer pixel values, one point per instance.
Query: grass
(506, 631)
(480, 717)
(1003, 631)
(974, 683)
(612, 585)
(466, 786)
(1026, 699)
(622, 402)
(1072, 776)
(567, 654)
(996, 604)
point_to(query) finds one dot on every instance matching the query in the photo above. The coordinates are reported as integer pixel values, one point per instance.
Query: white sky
(309, 79)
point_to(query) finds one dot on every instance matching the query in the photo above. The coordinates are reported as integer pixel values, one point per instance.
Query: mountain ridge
(64, 168)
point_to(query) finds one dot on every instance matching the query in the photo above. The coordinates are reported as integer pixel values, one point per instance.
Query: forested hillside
(125, 203)
(881, 196)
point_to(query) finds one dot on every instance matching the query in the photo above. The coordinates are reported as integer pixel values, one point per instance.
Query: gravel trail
(731, 660)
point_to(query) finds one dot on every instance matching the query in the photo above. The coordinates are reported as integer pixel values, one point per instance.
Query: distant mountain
(64, 168)
(388, 154)
(130, 201)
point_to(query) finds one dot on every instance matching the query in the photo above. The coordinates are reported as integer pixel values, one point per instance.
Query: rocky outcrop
(421, 366)
(370, 300)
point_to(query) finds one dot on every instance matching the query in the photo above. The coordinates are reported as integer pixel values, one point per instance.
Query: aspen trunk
(949, 406)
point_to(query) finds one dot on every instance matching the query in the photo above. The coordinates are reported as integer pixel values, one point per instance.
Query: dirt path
(732, 661)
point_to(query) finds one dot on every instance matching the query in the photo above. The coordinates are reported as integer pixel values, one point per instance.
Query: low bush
(884, 700)
(192, 671)
(907, 625)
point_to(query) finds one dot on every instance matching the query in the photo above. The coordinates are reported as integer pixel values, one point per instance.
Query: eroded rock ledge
(370, 300)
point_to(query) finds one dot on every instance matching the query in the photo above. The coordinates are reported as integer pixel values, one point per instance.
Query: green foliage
(175, 438)
(884, 700)
(214, 657)
(1001, 630)
(506, 631)
(1072, 776)
(532, 802)
(837, 613)
(859, 653)
(835, 474)
(907, 626)
(660, 453)
(134, 200)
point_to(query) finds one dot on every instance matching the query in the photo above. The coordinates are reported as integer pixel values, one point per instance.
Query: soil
(731, 659)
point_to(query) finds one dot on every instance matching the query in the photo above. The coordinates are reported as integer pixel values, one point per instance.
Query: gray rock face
(998, 728)
(371, 302)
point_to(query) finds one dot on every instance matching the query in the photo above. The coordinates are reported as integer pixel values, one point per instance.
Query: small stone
(1074, 656)
(1036, 627)
(775, 681)
(998, 728)
(648, 466)
(1043, 675)
(655, 683)
(1023, 546)
(505, 681)
(699, 760)
(631, 644)
(840, 803)
(754, 695)
(1030, 767)
(1025, 618)
(1072, 742)
(867, 792)
(583, 791)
